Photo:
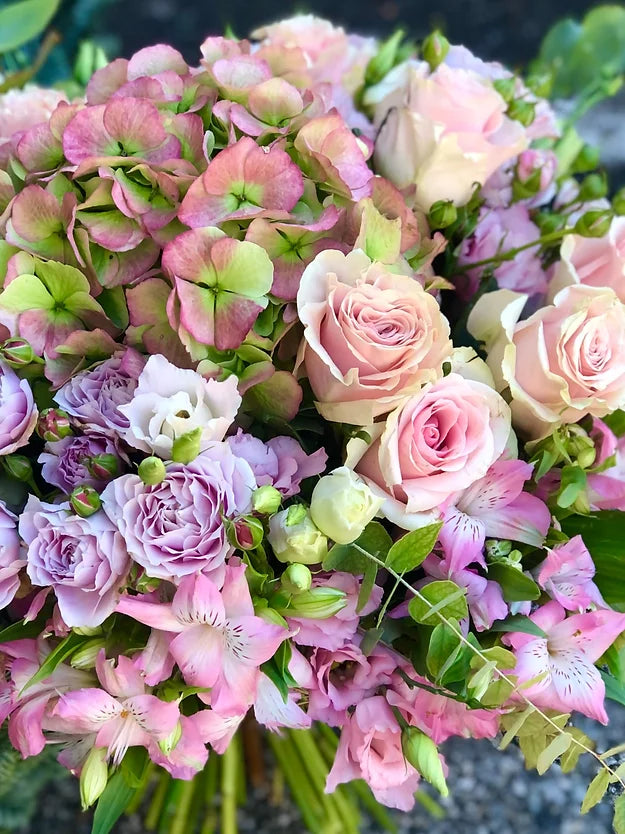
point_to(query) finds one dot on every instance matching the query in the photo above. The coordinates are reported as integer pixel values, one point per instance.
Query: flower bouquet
(312, 383)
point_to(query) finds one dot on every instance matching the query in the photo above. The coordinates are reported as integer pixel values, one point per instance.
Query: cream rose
(342, 505)
(371, 337)
(565, 361)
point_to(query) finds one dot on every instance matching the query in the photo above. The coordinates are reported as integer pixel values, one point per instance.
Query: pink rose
(371, 337)
(565, 361)
(436, 443)
(11, 560)
(593, 261)
(443, 131)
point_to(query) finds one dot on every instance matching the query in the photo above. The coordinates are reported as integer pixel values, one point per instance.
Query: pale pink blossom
(567, 573)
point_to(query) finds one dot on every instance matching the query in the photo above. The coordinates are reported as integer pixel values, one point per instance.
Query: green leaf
(366, 586)
(65, 648)
(442, 598)
(19, 631)
(556, 748)
(113, 302)
(277, 670)
(26, 292)
(572, 484)
(410, 551)
(603, 535)
(596, 790)
(618, 823)
(516, 586)
(112, 804)
(616, 422)
(518, 622)
(614, 689)
(134, 766)
(346, 557)
(21, 22)
(443, 648)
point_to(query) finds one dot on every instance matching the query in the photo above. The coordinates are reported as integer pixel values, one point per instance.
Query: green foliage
(112, 804)
(603, 535)
(516, 586)
(411, 550)
(439, 599)
(23, 21)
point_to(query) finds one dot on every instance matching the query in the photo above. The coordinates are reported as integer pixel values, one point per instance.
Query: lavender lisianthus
(83, 559)
(94, 396)
(64, 462)
(18, 413)
(11, 560)
(176, 528)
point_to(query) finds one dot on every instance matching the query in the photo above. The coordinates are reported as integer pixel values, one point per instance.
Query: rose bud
(103, 467)
(266, 500)
(593, 187)
(152, 471)
(93, 777)
(434, 49)
(442, 214)
(53, 424)
(594, 223)
(187, 447)
(17, 353)
(294, 537)
(18, 466)
(421, 752)
(342, 505)
(85, 501)
(296, 578)
(246, 532)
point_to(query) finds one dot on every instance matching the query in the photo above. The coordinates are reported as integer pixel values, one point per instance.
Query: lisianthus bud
(435, 48)
(316, 604)
(246, 532)
(93, 777)
(296, 578)
(270, 615)
(442, 214)
(421, 752)
(266, 500)
(53, 424)
(18, 466)
(294, 537)
(342, 505)
(187, 447)
(85, 501)
(593, 187)
(17, 353)
(594, 223)
(152, 471)
(103, 467)
(581, 447)
(85, 657)
(168, 744)
(522, 111)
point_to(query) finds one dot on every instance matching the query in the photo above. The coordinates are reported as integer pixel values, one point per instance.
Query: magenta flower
(18, 413)
(559, 669)
(243, 181)
(220, 286)
(121, 714)
(220, 643)
(11, 560)
(566, 575)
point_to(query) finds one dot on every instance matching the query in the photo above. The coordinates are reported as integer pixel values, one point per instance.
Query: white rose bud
(342, 505)
(294, 537)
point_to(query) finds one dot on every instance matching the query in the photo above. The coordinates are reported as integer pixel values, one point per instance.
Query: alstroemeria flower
(242, 181)
(561, 666)
(220, 286)
(220, 643)
(566, 575)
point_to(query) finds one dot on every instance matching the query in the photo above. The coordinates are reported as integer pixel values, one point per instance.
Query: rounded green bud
(187, 447)
(168, 744)
(434, 49)
(497, 549)
(17, 353)
(85, 501)
(296, 578)
(548, 222)
(18, 466)
(442, 214)
(618, 202)
(506, 87)
(593, 187)
(246, 532)
(53, 425)
(266, 500)
(93, 777)
(522, 111)
(152, 471)
(586, 160)
(420, 751)
(103, 467)
(594, 223)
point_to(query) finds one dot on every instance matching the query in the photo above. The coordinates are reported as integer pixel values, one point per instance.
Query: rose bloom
(84, 560)
(565, 361)
(18, 413)
(436, 443)
(22, 109)
(94, 396)
(64, 462)
(371, 337)
(11, 561)
(442, 131)
(176, 528)
(593, 261)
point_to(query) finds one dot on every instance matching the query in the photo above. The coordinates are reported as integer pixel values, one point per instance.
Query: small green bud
(434, 49)
(17, 353)
(85, 657)
(317, 603)
(420, 751)
(497, 549)
(103, 467)
(594, 223)
(18, 466)
(593, 187)
(269, 614)
(246, 532)
(187, 447)
(528, 188)
(548, 222)
(296, 579)
(85, 501)
(53, 424)
(541, 84)
(93, 777)
(266, 500)
(168, 744)
(295, 514)
(442, 214)
(152, 471)
(522, 111)
(618, 202)
(506, 87)
(586, 160)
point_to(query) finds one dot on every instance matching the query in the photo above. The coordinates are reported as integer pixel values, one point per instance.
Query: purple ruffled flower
(64, 462)
(18, 413)
(11, 561)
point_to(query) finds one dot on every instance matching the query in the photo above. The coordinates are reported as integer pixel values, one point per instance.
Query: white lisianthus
(342, 505)
(294, 537)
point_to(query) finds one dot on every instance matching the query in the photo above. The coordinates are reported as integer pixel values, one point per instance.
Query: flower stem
(301, 790)
(156, 806)
(230, 765)
(180, 822)
(510, 254)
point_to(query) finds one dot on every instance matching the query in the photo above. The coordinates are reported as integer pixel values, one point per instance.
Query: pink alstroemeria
(561, 665)
(121, 714)
(496, 506)
(241, 182)
(606, 490)
(219, 642)
(566, 575)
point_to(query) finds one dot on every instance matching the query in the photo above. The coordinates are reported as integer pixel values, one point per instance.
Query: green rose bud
(593, 187)
(442, 214)
(594, 223)
(316, 604)
(586, 160)
(522, 111)
(434, 49)
(93, 777)
(294, 537)
(618, 202)
(17, 353)
(187, 447)
(296, 578)
(53, 424)
(246, 532)
(506, 87)
(541, 84)
(85, 501)
(152, 471)
(18, 466)
(266, 500)
(421, 752)
(103, 467)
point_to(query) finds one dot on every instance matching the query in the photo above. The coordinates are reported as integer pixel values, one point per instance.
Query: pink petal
(153, 614)
(462, 538)
(88, 709)
(199, 654)
(198, 602)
